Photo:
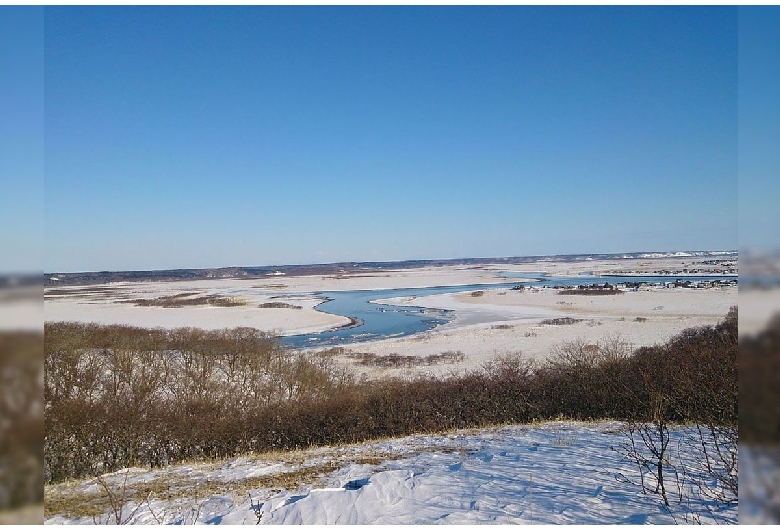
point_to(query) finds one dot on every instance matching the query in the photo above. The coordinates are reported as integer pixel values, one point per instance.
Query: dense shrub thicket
(118, 396)
(759, 385)
(21, 418)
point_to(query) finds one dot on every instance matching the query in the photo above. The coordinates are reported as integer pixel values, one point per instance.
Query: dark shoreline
(354, 322)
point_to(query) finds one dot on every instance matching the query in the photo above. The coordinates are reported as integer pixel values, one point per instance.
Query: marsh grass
(92, 498)
(185, 300)
(27, 515)
(563, 321)
(394, 360)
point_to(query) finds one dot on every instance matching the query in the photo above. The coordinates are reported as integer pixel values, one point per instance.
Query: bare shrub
(759, 386)
(574, 354)
(118, 396)
(586, 380)
(716, 450)
(394, 360)
(647, 447)
(693, 377)
(21, 418)
(118, 499)
(563, 321)
(183, 300)
(509, 366)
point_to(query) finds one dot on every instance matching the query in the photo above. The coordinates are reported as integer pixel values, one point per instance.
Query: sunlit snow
(551, 473)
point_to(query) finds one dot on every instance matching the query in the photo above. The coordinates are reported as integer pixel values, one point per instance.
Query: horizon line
(398, 261)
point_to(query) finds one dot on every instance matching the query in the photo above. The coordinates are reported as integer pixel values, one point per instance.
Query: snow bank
(553, 473)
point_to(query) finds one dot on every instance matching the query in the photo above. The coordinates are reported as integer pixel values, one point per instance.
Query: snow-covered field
(757, 307)
(502, 321)
(760, 485)
(550, 473)
(21, 309)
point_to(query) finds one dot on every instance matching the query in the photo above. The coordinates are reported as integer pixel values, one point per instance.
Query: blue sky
(759, 128)
(21, 139)
(210, 136)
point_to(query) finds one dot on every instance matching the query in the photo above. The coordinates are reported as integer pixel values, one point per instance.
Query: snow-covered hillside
(550, 473)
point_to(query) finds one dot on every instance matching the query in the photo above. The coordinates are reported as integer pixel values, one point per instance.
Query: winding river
(372, 321)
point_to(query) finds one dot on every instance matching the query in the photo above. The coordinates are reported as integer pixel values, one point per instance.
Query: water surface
(381, 321)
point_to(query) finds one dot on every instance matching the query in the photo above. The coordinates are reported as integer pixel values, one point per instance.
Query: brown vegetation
(279, 305)
(394, 360)
(563, 321)
(759, 385)
(119, 396)
(21, 418)
(184, 300)
(502, 326)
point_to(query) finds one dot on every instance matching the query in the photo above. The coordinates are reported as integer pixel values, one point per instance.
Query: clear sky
(211, 136)
(21, 139)
(759, 128)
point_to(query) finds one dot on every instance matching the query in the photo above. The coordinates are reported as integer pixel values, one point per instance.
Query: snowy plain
(549, 473)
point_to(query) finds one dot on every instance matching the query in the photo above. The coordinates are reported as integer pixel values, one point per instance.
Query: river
(381, 321)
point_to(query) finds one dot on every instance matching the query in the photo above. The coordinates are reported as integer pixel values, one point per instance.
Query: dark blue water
(380, 321)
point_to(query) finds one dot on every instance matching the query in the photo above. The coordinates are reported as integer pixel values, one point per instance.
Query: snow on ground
(760, 485)
(550, 473)
(504, 321)
(757, 308)
(501, 321)
(110, 304)
(21, 309)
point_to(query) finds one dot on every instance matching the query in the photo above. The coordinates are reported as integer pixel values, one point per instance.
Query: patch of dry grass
(27, 515)
(70, 502)
(183, 300)
(395, 360)
(307, 468)
(278, 305)
(564, 321)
